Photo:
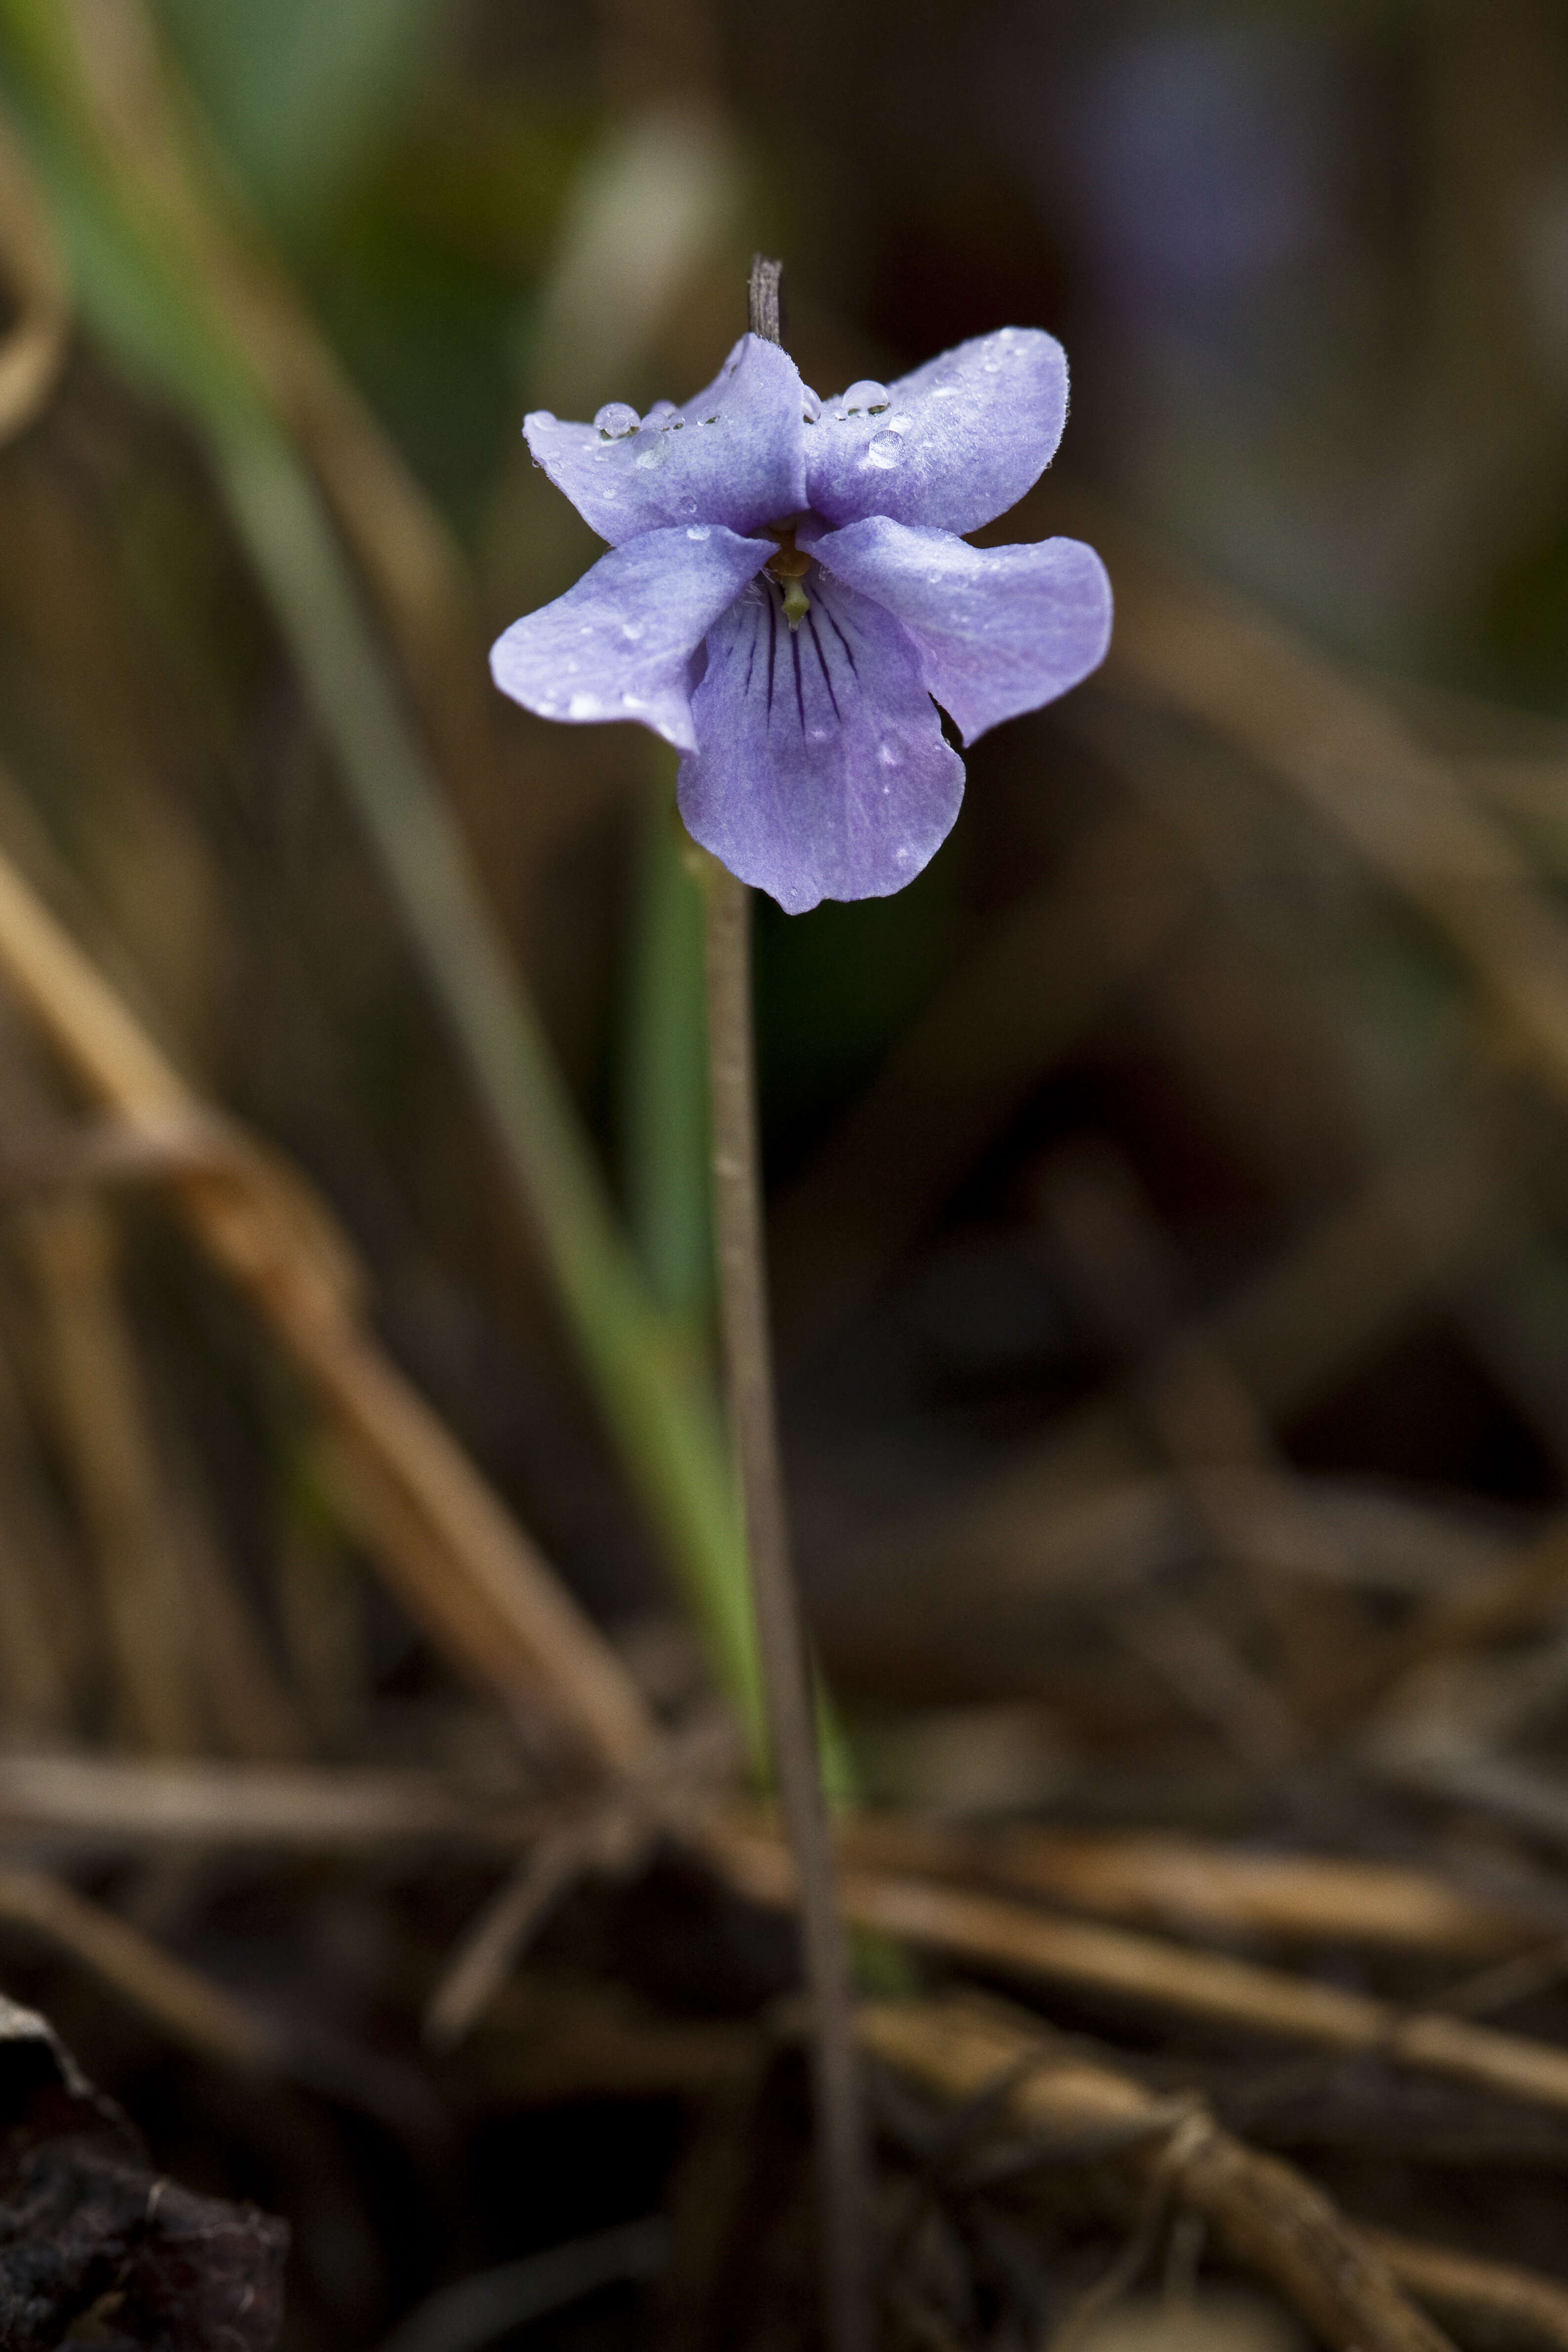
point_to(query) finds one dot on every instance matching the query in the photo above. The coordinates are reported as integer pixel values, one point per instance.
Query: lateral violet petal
(619, 645)
(958, 443)
(821, 769)
(996, 630)
(735, 455)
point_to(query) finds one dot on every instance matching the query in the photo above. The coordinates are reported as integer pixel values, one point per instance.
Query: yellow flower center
(790, 568)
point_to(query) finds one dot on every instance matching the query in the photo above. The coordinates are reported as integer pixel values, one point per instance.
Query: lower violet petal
(998, 630)
(619, 645)
(821, 769)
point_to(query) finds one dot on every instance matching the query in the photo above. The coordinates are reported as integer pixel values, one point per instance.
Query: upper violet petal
(958, 442)
(998, 630)
(735, 455)
(619, 645)
(821, 771)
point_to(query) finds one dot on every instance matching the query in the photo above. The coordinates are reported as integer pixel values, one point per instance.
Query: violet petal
(619, 645)
(959, 441)
(821, 770)
(998, 630)
(735, 455)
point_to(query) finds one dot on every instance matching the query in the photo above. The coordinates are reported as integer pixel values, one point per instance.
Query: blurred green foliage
(300, 95)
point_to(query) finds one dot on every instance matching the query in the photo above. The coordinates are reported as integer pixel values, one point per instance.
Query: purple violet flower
(787, 597)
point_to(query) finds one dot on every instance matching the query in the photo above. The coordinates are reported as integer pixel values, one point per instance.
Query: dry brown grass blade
(188, 1658)
(181, 2004)
(320, 1589)
(1491, 2303)
(33, 350)
(1043, 974)
(44, 1642)
(250, 1711)
(111, 1462)
(34, 1689)
(1190, 1886)
(475, 1579)
(138, 1805)
(1267, 2214)
(495, 1940)
(994, 1933)
(1525, 1594)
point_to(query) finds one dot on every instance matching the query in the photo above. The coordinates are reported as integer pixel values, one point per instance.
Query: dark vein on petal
(822, 666)
(751, 657)
(772, 653)
(848, 649)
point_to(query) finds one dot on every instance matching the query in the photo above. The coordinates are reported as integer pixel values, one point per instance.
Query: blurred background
(1167, 1190)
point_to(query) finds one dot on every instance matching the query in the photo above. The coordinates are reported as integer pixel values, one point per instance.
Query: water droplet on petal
(615, 420)
(813, 408)
(696, 530)
(660, 412)
(583, 706)
(866, 394)
(900, 423)
(632, 630)
(883, 449)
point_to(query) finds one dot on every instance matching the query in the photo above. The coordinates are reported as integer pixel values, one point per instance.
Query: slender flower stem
(843, 2172)
(786, 1679)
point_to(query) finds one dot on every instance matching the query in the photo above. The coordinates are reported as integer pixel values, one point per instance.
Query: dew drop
(900, 423)
(583, 706)
(615, 420)
(813, 408)
(697, 531)
(883, 449)
(632, 630)
(661, 413)
(866, 394)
